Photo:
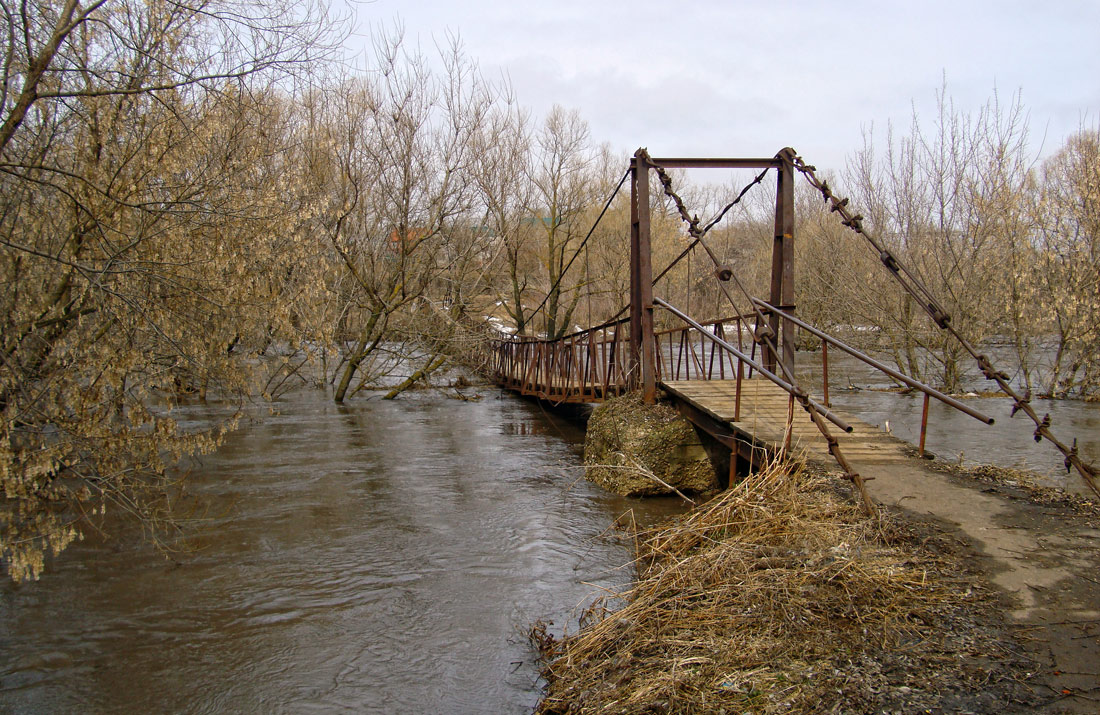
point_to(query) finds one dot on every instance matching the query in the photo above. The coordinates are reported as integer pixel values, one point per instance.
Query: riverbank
(779, 596)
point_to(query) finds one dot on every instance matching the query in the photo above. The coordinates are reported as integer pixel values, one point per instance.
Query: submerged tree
(390, 155)
(139, 245)
(1068, 262)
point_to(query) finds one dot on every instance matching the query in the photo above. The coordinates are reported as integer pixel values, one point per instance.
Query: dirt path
(1042, 552)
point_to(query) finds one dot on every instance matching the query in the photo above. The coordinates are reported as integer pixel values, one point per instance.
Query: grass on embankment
(781, 596)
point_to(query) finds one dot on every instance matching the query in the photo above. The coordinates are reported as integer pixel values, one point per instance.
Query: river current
(374, 557)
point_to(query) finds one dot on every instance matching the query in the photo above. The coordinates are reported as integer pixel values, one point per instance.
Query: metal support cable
(721, 214)
(683, 212)
(908, 280)
(942, 319)
(693, 230)
(583, 244)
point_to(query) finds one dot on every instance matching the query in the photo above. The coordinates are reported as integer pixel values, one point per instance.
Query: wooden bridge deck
(763, 421)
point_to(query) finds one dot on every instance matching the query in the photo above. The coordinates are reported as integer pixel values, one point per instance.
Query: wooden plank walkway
(763, 419)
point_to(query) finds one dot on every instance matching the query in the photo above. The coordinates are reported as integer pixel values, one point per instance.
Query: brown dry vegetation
(780, 596)
(1026, 483)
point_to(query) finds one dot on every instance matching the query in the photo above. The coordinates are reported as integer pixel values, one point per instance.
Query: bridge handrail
(586, 365)
(568, 336)
(788, 387)
(504, 337)
(915, 384)
(581, 367)
(719, 321)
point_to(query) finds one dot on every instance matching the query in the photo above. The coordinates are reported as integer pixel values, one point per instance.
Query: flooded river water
(858, 390)
(378, 557)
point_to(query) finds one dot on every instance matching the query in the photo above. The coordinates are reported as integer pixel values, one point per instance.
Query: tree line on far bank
(198, 201)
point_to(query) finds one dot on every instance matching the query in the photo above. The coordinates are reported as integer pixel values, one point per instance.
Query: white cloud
(721, 78)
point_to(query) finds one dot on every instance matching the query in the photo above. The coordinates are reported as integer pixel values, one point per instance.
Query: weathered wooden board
(763, 417)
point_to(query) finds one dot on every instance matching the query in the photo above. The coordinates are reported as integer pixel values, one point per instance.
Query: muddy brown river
(378, 557)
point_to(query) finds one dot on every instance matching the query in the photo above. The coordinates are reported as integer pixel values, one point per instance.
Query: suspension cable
(913, 285)
(710, 224)
(581, 247)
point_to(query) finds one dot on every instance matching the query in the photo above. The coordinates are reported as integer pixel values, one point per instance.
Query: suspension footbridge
(734, 377)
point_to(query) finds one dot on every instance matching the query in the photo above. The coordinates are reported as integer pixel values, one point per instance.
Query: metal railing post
(923, 424)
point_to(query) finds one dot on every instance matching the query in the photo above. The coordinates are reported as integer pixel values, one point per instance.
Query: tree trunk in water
(432, 365)
(356, 358)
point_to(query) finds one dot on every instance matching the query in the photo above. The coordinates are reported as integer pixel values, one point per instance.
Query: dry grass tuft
(780, 596)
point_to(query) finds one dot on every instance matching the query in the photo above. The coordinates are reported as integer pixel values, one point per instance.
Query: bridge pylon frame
(643, 357)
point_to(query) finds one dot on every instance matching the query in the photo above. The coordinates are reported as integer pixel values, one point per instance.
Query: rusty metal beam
(717, 163)
(634, 304)
(781, 292)
(785, 228)
(641, 274)
(738, 442)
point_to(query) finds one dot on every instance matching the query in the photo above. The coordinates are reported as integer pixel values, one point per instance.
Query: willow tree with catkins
(141, 245)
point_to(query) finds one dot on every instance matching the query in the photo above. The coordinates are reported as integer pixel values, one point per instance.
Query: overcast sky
(739, 78)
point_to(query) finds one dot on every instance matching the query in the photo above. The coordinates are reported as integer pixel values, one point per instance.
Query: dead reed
(780, 596)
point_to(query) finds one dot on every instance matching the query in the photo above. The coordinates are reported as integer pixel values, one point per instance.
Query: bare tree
(500, 171)
(1068, 265)
(937, 199)
(565, 178)
(399, 196)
